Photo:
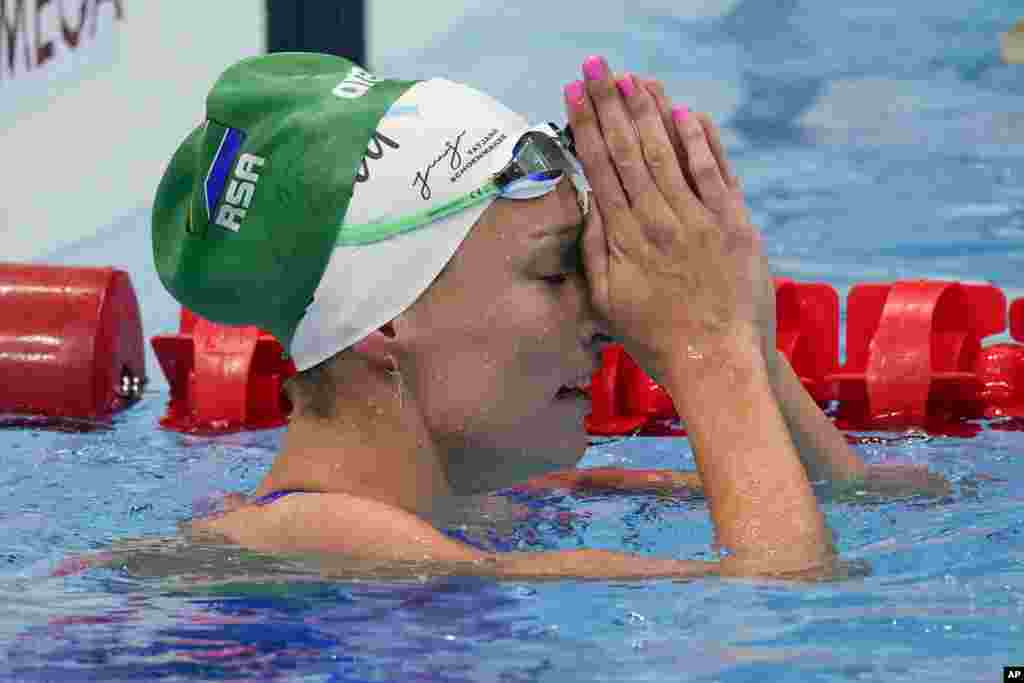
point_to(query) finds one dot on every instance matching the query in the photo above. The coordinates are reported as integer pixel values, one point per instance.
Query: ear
(378, 347)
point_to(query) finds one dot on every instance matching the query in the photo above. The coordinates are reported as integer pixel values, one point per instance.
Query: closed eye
(563, 256)
(556, 279)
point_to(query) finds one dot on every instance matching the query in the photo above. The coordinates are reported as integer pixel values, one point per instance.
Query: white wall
(402, 26)
(524, 52)
(84, 137)
(399, 27)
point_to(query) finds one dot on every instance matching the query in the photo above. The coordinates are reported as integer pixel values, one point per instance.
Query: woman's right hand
(678, 276)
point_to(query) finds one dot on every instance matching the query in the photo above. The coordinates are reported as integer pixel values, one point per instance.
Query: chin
(565, 440)
(568, 415)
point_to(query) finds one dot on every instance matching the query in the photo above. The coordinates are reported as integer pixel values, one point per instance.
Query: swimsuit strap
(269, 498)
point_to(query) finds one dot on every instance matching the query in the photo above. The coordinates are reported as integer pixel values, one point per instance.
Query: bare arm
(355, 535)
(682, 279)
(617, 479)
(347, 536)
(824, 451)
(827, 456)
(822, 448)
(761, 502)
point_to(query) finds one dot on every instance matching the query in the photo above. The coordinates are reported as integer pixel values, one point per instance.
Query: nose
(595, 332)
(598, 343)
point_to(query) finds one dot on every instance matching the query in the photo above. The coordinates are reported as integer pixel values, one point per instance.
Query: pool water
(945, 596)
(874, 144)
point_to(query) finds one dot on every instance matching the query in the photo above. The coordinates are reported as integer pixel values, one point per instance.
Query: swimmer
(444, 276)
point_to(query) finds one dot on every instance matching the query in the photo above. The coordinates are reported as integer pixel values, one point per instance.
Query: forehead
(534, 223)
(513, 237)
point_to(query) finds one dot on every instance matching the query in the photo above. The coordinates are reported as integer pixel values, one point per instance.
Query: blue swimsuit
(275, 495)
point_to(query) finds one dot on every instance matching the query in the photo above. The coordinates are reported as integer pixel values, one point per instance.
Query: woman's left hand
(722, 194)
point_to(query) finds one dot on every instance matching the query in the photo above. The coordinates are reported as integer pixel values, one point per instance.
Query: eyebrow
(570, 254)
(561, 231)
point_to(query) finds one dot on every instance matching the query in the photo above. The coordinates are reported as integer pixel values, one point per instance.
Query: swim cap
(294, 147)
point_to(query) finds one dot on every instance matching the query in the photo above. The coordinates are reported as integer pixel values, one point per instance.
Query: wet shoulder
(330, 523)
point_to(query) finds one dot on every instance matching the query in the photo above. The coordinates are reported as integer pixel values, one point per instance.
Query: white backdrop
(89, 116)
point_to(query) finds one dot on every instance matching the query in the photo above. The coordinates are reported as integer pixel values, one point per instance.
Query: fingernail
(574, 94)
(680, 113)
(625, 85)
(595, 68)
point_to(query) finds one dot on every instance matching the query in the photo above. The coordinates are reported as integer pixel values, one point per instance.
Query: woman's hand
(677, 274)
(730, 206)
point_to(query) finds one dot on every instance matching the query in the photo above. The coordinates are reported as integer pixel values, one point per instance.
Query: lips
(577, 388)
(566, 391)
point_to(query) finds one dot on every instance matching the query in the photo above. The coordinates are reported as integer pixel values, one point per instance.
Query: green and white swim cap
(294, 147)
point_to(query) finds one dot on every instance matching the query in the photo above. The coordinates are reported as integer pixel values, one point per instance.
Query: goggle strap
(388, 227)
(385, 228)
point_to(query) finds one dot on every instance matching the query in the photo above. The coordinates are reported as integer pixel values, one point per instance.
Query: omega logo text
(34, 33)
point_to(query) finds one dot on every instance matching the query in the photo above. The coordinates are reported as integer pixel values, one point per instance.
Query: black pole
(333, 26)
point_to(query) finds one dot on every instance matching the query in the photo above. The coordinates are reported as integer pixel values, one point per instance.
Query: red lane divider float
(1001, 373)
(914, 359)
(912, 349)
(223, 378)
(71, 343)
(1017, 320)
(624, 400)
(807, 333)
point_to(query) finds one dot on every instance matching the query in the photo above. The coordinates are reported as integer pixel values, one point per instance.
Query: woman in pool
(474, 278)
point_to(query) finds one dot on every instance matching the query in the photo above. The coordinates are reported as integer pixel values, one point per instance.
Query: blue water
(874, 144)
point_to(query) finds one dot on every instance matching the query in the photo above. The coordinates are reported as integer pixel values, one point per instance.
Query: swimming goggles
(539, 161)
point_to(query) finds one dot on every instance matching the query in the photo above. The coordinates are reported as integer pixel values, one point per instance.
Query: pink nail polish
(574, 94)
(595, 68)
(680, 113)
(625, 85)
